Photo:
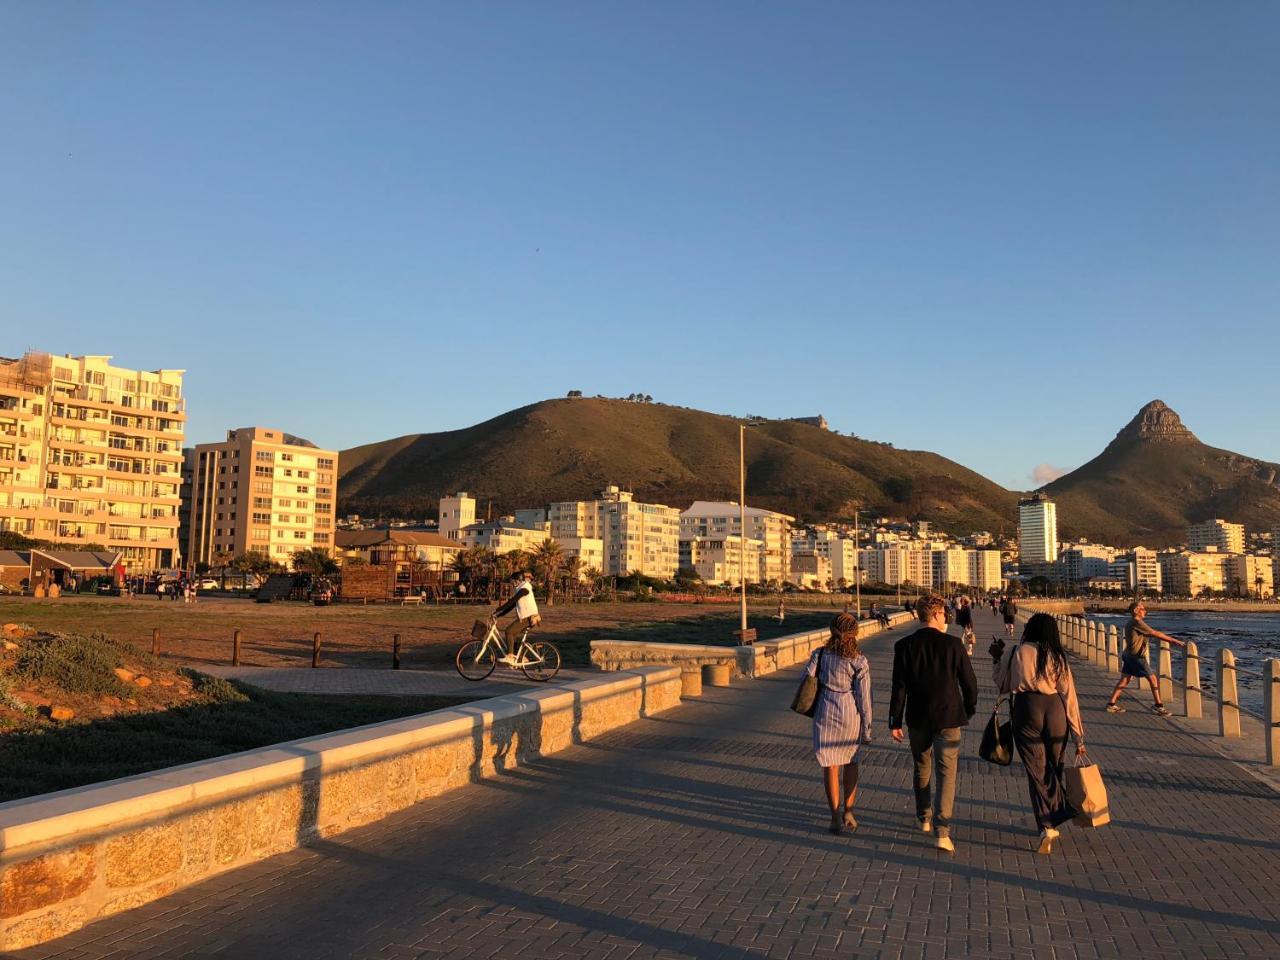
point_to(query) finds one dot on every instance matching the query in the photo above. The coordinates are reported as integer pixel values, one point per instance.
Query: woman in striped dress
(842, 718)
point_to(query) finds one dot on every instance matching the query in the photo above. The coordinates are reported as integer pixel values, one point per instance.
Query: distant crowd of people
(934, 695)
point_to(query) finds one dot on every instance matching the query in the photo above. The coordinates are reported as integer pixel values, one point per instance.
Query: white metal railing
(1099, 643)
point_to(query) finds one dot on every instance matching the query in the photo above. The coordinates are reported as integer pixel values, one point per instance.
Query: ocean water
(1252, 637)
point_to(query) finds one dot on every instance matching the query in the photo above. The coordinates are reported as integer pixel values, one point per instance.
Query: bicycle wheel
(475, 661)
(545, 659)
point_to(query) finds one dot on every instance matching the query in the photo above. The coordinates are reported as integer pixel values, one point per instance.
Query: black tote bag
(806, 698)
(997, 739)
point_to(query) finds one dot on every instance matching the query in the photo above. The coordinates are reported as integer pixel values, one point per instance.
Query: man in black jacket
(933, 683)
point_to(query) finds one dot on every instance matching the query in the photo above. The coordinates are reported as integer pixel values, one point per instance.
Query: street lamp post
(742, 527)
(857, 566)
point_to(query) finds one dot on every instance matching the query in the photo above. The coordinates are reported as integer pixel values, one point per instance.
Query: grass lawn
(279, 634)
(39, 758)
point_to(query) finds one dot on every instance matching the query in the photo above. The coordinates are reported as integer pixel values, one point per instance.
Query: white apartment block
(718, 518)
(1037, 532)
(1222, 535)
(1187, 574)
(456, 512)
(1249, 575)
(92, 454)
(984, 570)
(811, 570)
(719, 559)
(504, 536)
(1143, 571)
(261, 491)
(1085, 561)
(950, 568)
(588, 550)
(842, 552)
(937, 569)
(639, 538)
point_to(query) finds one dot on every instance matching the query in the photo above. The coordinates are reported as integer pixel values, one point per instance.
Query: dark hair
(1133, 607)
(844, 636)
(1042, 630)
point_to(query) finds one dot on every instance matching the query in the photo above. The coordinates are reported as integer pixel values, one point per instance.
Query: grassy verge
(37, 758)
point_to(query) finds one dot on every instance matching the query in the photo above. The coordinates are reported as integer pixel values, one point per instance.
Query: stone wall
(759, 659)
(70, 857)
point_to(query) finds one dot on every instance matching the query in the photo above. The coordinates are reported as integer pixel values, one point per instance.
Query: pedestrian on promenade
(935, 690)
(1135, 662)
(964, 620)
(1036, 674)
(782, 610)
(1009, 610)
(842, 716)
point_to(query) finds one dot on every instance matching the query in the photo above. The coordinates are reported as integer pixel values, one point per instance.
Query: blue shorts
(1131, 666)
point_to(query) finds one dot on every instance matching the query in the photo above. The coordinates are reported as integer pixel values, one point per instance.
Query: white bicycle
(476, 659)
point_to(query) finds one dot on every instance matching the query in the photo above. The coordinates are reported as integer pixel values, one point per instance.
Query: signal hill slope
(569, 449)
(1155, 477)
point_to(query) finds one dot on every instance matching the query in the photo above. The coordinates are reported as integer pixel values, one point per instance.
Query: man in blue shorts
(1134, 661)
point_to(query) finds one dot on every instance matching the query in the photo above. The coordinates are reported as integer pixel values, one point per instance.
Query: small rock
(165, 682)
(142, 681)
(132, 702)
(61, 713)
(10, 646)
(123, 675)
(14, 630)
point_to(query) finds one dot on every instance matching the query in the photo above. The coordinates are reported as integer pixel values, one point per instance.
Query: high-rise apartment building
(1249, 575)
(707, 518)
(938, 569)
(719, 559)
(1143, 571)
(840, 550)
(92, 454)
(1222, 535)
(261, 491)
(984, 570)
(1186, 574)
(638, 537)
(1037, 534)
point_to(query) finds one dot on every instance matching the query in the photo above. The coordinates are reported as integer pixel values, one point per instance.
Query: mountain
(570, 449)
(1155, 478)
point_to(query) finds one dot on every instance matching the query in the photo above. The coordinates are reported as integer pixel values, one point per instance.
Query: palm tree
(547, 559)
(221, 560)
(314, 561)
(573, 574)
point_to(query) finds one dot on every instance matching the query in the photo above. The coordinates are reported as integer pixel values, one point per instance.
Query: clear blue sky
(991, 230)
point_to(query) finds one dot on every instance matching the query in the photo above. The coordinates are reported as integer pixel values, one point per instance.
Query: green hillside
(570, 449)
(1155, 477)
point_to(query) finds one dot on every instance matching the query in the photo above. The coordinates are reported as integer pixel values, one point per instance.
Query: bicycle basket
(479, 630)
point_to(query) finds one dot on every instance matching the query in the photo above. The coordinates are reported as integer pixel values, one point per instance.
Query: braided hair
(844, 636)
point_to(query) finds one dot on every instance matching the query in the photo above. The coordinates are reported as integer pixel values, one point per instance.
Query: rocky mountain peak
(1156, 422)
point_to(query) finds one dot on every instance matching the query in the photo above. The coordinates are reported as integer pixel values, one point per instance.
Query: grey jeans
(936, 750)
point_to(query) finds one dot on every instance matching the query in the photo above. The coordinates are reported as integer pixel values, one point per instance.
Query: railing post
(155, 641)
(1164, 671)
(235, 648)
(1072, 629)
(1113, 649)
(1271, 709)
(395, 651)
(315, 649)
(1191, 682)
(1228, 700)
(1093, 641)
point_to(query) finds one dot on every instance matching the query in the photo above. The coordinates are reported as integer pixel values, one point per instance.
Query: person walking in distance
(842, 716)
(1036, 674)
(1134, 660)
(964, 620)
(1009, 610)
(935, 691)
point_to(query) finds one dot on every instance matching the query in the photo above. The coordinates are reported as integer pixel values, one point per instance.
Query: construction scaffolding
(34, 369)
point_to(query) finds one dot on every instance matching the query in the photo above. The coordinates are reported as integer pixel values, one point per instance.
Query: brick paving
(701, 833)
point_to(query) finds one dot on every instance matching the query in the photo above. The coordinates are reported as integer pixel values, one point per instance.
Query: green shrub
(76, 663)
(216, 689)
(7, 698)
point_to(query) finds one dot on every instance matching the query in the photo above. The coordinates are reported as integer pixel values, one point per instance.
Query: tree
(575, 393)
(12, 540)
(315, 561)
(547, 559)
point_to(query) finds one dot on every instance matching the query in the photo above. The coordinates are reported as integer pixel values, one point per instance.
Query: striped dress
(844, 707)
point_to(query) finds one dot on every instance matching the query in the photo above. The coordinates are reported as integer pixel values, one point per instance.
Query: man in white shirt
(526, 608)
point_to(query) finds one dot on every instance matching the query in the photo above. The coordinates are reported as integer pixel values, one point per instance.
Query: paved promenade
(702, 834)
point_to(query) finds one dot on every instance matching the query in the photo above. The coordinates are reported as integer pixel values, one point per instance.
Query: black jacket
(933, 681)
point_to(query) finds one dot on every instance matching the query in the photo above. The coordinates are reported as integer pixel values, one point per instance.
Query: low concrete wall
(757, 660)
(1072, 608)
(70, 857)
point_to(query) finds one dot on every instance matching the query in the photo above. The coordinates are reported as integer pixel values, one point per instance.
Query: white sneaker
(945, 845)
(926, 825)
(509, 660)
(1047, 836)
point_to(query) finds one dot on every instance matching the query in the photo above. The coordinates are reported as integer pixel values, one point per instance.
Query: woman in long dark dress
(842, 718)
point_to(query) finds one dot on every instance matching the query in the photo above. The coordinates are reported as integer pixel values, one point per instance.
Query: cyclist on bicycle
(526, 608)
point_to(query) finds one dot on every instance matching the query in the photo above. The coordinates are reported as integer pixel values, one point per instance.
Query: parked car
(209, 583)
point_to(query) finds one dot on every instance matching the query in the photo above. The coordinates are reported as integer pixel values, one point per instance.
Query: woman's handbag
(997, 739)
(806, 698)
(1086, 793)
